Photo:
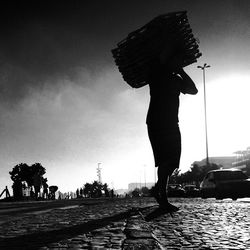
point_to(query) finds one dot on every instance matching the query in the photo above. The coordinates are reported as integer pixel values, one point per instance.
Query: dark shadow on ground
(40, 239)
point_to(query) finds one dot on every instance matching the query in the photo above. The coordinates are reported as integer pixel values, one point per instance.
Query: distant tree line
(137, 192)
(94, 190)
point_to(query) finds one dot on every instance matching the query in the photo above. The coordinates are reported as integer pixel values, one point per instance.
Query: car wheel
(218, 194)
(219, 197)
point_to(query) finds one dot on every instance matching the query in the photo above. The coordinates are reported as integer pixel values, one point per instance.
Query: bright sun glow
(228, 125)
(228, 119)
(228, 114)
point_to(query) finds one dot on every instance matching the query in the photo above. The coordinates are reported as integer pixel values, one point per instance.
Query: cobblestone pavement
(133, 224)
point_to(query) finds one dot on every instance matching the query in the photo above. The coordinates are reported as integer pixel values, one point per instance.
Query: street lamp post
(203, 68)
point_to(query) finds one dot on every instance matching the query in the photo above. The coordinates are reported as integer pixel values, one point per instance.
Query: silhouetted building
(133, 186)
(223, 161)
(121, 191)
(242, 160)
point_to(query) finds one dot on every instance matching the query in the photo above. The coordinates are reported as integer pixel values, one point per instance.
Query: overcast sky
(64, 104)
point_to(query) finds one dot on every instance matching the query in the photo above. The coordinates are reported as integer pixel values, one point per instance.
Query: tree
(106, 190)
(32, 175)
(175, 176)
(87, 190)
(145, 191)
(19, 172)
(18, 175)
(136, 192)
(195, 174)
(95, 189)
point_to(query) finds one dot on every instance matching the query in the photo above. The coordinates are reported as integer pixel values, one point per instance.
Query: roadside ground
(126, 224)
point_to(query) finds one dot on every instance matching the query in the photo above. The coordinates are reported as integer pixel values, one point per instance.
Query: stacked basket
(135, 53)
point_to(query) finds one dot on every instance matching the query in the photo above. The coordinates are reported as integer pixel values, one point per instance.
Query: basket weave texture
(134, 54)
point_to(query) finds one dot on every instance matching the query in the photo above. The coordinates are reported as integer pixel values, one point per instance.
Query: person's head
(176, 62)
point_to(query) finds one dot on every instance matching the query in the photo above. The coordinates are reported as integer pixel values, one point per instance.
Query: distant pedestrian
(45, 190)
(81, 192)
(37, 181)
(167, 80)
(77, 193)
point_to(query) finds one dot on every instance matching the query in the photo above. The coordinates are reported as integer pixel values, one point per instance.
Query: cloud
(73, 124)
(73, 113)
(44, 46)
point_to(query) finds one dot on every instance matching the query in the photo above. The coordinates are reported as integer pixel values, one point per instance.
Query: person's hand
(179, 70)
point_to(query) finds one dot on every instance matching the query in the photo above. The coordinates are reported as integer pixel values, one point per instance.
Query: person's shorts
(166, 146)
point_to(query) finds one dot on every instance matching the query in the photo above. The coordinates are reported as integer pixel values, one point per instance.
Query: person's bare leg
(163, 177)
(159, 190)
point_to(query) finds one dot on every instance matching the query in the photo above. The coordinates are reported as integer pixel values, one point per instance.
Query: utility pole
(99, 174)
(203, 68)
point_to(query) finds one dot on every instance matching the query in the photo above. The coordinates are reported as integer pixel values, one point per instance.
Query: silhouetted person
(112, 193)
(37, 184)
(17, 190)
(45, 190)
(166, 81)
(77, 193)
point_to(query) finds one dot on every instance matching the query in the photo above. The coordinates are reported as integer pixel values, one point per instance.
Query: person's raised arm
(187, 85)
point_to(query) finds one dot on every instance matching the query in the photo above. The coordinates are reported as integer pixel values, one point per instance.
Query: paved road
(15, 209)
(131, 224)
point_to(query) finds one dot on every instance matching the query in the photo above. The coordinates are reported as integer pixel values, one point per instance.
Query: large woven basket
(135, 53)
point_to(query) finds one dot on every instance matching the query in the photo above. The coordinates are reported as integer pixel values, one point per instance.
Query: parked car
(225, 183)
(191, 191)
(175, 190)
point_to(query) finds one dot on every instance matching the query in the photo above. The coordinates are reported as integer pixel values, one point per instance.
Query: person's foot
(162, 199)
(164, 204)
